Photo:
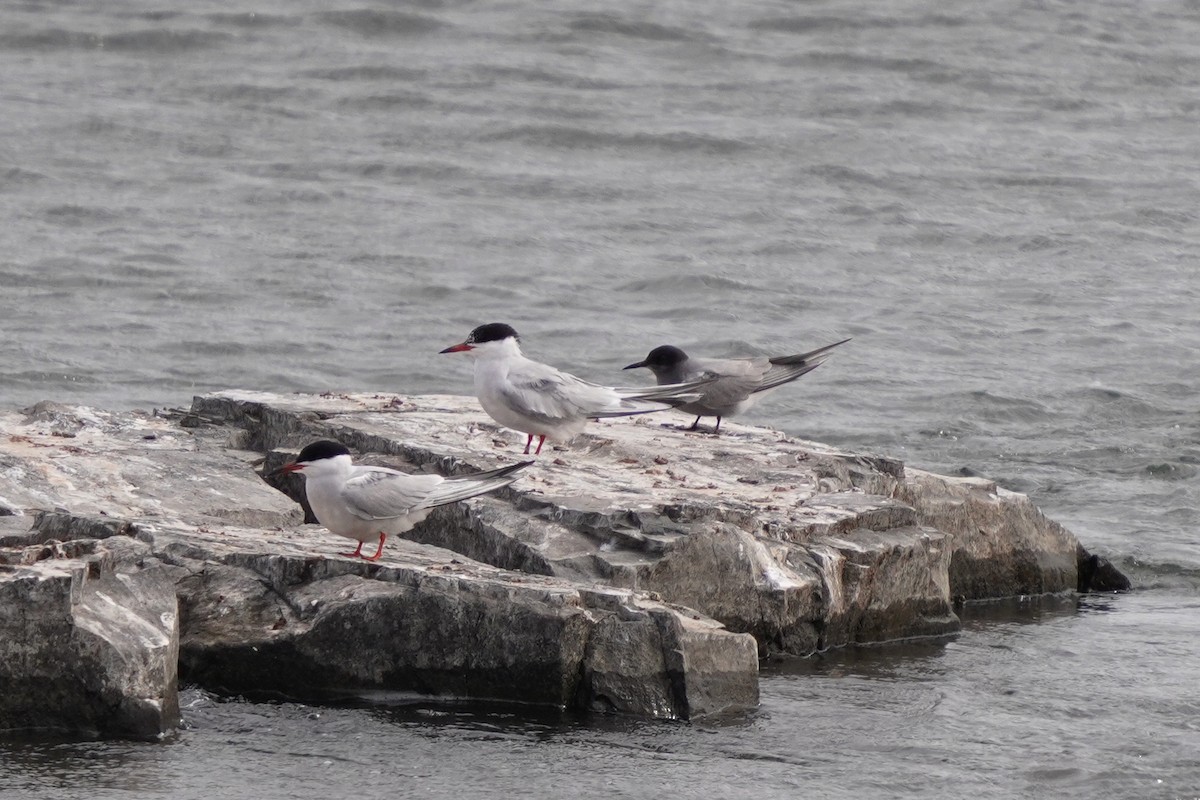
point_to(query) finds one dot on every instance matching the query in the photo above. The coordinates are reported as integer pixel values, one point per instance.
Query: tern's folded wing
(380, 493)
(736, 379)
(549, 395)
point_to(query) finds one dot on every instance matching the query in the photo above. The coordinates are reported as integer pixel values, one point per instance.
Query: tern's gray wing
(382, 493)
(543, 393)
(737, 378)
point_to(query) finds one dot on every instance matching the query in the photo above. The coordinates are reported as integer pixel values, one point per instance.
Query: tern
(361, 502)
(539, 400)
(736, 382)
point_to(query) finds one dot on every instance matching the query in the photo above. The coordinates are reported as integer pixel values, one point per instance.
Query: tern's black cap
(664, 357)
(492, 332)
(322, 449)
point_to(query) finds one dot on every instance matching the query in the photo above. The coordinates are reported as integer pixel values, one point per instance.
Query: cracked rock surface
(643, 569)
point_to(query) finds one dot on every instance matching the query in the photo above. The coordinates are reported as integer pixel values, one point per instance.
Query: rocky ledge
(642, 570)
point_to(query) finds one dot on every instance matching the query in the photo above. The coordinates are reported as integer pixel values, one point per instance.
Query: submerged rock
(627, 573)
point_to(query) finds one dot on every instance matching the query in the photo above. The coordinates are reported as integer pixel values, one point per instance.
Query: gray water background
(998, 201)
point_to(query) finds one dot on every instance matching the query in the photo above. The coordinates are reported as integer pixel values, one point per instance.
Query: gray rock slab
(89, 639)
(278, 613)
(131, 466)
(1002, 545)
(639, 569)
(267, 605)
(801, 544)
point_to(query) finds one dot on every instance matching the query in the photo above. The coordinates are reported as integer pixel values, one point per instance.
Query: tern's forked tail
(467, 486)
(806, 358)
(788, 368)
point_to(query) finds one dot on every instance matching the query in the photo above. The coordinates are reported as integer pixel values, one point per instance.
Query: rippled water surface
(997, 201)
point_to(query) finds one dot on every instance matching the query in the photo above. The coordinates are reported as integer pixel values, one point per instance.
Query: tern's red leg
(538, 452)
(718, 428)
(379, 552)
(356, 554)
(528, 442)
(695, 424)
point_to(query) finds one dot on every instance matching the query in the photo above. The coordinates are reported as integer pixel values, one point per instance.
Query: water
(997, 201)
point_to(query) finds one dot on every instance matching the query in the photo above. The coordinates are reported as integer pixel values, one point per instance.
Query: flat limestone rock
(802, 545)
(266, 605)
(130, 466)
(641, 569)
(278, 613)
(89, 639)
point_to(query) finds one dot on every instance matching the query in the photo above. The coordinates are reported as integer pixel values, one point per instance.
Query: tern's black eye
(492, 332)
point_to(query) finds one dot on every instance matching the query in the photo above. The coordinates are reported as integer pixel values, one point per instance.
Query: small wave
(606, 23)
(274, 195)
(16, 177)
(671, 283)
(290, 171)
(372, 22)
(171, 292)
(246, 92)
(252, 19)
(50, 39)
(157, 15)
(825, 24)
(162, 41)
(151, 265)
(1099, 394)
(982, 407)
(1059, 103)
(771, 758)
(1034, 244)
(94, 125)
(1000, 401)
(1170, 472)
(154, 40)
(1043, 181)
(888, 109)
(73, 215)
(430, 170)
(912, 108)
(1112, 402)
(386, 102)
(71, 274)
(49, 378)
(857, 61)
(790, 248)
(841, 174)
(549, 78)
(1025, 244)
(954, 430)
(808, 24)
(561, 136)
(1165, 218)
(212, 347)
(366, 72)
(538, 187)
(1159, 575)
(698, 314)
(868, 212)
(206, 146)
